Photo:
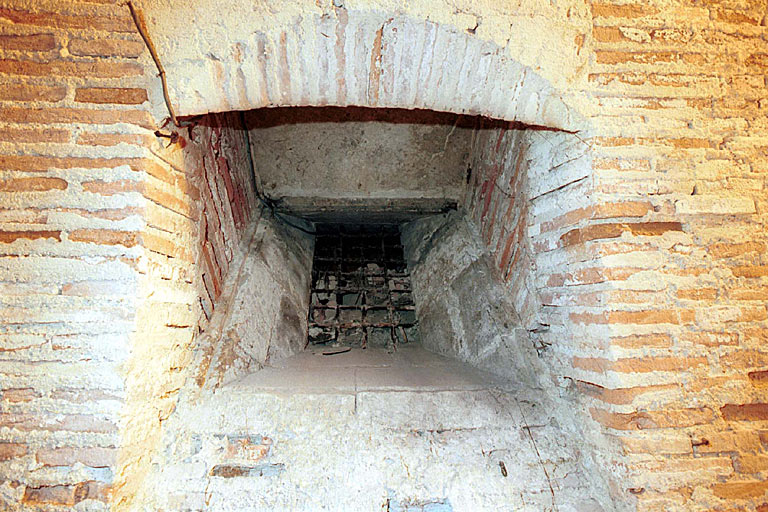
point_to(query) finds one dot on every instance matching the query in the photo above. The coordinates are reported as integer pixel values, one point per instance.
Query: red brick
(34, 135)
(66, 495)
(98, 69)
(106, 48)
(27, 92)
(105, 237)
(73, 115)
(45, 163)
(757, 60)
(120, 96)
(32, 184)
(10, 451)
(759, 378)
(248, 448)
(65, 21)
(30, 43)
(112, 139)
(745, 412)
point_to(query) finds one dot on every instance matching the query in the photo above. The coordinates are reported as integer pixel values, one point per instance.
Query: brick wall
(649, 272)
(197, 226)
(679, 123)
(112, 248)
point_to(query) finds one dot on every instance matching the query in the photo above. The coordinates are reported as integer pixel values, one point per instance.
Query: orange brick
(744, 359)
(73, 115)
(616, 57)
(106, 48)
(729, 250)
(166, 247)
(64, 21)
(120, 96)
(614, 230)
(98, 69)
(608, 34)
(689, 143)
(697, 294)
(738, 18)
(750, 271)
(105, 237)
(30, 43)
(740, 490)
(7, 237)
(34, 135)
(608, 10)
(27, 92)
(726, 442)
(44, 163)
(751, 464)
(32, 184)
(751, 293)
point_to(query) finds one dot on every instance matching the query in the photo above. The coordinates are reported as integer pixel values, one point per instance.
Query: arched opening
(478, 204)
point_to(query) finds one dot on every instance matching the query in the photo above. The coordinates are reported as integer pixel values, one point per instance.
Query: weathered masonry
(564, 307)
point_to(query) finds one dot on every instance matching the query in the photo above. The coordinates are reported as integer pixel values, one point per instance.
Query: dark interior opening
(361, 292)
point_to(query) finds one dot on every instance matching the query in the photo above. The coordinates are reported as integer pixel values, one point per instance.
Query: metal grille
(361, 289)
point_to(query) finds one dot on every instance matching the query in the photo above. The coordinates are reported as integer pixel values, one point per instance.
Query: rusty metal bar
(359, 268)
